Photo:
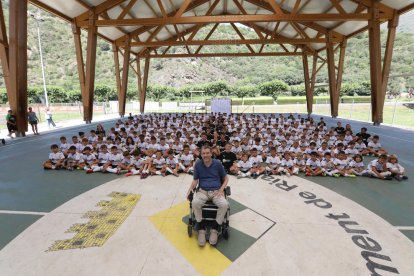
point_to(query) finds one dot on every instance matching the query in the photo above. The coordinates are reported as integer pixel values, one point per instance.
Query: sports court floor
(280, 225)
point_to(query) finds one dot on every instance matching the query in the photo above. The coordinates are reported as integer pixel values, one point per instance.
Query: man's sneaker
(288, 174)
(158, 173)
(129, 174)
(89, 171)
(308, 174)
(388, 178)
(351, 175)
(3, 141)
(336, 175)
(404, 177)
(213, 237)
(366, 174)
(202, 237)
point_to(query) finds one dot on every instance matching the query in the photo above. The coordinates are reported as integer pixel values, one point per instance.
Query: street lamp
(38, 20)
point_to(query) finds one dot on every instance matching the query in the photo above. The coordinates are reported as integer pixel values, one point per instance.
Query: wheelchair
(209, 212)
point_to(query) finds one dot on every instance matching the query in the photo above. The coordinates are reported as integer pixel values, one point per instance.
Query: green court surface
(26, 187)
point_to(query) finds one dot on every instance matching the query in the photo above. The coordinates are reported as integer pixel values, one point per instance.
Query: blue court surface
(29, 195)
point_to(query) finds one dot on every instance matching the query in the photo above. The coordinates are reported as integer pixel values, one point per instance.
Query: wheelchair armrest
(227, 191)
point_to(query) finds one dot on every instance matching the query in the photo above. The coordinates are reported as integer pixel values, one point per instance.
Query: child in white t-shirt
(272, 162)
(73, 159)
(114, 159)
(378, 168)
(375, 147)
(342, 165)
(171, 162)
(56, 159)
(138, 166)
(288, 166)
(244, 166)
(158, 164)
(256, 161)
(397, 171)
(313, 165)
(300, 162)
(186, 160)
(357, 166)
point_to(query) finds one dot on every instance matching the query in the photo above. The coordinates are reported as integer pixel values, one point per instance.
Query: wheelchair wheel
(225, 234)
(190, 230)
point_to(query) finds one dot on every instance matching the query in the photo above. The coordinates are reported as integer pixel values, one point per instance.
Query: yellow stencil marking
(102, 224)
(206, 260)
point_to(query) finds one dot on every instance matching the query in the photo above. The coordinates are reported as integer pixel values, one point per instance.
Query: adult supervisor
(212, 179)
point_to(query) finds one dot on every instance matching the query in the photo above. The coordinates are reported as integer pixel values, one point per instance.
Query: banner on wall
(222, 105)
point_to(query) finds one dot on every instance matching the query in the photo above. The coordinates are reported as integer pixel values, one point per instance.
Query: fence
(395, 113)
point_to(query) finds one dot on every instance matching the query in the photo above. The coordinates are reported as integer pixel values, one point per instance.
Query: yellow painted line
(207, 260)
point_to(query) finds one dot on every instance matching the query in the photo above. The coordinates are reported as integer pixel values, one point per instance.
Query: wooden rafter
(242, 40)
(103, 7)
(207, 37)
(144, 29)
(127, 9)
(247, 54)
(234, 19)
(241, 36)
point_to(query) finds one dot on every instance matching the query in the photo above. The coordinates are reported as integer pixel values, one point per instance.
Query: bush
(352, 88)
(158, 92)
(216, 88)
(321, 90)
(356, 99)
(249, 101)
(56, 95)
(245, 91)
(3, 96)
(298, 90)
(273, 88)
(105, 93)
(300, 100)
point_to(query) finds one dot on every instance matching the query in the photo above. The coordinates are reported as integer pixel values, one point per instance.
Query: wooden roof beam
(266, 54)
(233, 19)
(103, 7)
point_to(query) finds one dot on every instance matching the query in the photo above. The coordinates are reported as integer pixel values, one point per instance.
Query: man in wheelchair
(210, 179)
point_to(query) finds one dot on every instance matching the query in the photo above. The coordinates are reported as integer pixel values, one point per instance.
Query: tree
(298, 90)
(104, 93)
(245, 91)
(273, 88)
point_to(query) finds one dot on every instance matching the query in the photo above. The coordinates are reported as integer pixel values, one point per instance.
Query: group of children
(247, 145)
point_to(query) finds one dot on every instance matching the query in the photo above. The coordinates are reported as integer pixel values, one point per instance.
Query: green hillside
(61, 71)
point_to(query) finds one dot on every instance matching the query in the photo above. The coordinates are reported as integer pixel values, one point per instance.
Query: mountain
(60, 60)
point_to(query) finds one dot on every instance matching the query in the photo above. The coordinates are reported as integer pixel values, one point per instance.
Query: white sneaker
(243, 174)
(213, 237)
(202, 237)
(287, 174)
(158, 173)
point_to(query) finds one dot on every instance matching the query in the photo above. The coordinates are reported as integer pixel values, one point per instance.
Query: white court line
(405, 227)
(23, 213)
